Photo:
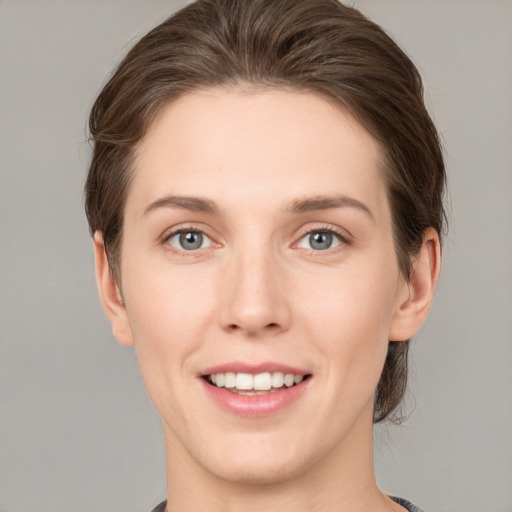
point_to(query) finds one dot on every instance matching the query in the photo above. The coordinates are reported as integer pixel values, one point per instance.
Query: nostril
(273, 326)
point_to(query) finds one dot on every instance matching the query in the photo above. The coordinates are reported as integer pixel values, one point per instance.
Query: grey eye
(319, 240)
(189, 240)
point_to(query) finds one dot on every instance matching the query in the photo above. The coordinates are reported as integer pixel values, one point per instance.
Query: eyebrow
(327, 202)
(198, 204)
(195, 204)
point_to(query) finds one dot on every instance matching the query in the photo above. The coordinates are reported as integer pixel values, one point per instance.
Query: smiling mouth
(258, 384)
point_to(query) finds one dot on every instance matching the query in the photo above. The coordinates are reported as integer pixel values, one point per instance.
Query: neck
(342, 480)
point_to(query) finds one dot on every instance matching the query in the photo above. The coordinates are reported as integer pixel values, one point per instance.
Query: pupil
(320, 241)
(191, 240)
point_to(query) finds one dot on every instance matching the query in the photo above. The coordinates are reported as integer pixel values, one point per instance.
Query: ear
(418, 293)
(110, 294)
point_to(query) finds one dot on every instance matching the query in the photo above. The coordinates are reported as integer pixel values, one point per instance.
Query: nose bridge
(256, 301)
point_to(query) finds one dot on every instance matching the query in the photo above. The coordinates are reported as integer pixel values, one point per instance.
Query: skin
(257, 291)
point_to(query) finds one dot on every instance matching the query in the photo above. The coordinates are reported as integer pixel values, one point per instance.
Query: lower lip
(255, 405)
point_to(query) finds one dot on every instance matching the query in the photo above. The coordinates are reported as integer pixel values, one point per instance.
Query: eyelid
(342, 235)
(170, 233)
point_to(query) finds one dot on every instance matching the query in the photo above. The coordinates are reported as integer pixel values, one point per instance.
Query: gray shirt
(406, 504)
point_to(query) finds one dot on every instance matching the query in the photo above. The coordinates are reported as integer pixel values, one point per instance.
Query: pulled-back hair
(319, 46)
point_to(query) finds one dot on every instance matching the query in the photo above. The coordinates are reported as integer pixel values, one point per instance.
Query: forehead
(256, 145)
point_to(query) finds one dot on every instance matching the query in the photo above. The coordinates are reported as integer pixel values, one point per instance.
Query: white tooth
(230, 380)
(219, 381)
(263, 381)
(213, 378)
(277, 379)
(288, 380)
(298, 379)
(244, 381)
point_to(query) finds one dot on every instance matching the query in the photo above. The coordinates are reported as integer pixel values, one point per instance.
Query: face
(260, 280)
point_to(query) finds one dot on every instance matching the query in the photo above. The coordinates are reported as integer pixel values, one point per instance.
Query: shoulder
(401, 501)
(160, 507)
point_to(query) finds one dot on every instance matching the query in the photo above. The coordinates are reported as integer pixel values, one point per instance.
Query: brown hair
(314, 45)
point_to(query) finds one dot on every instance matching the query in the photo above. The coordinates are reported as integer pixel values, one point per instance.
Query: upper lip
(253, 368)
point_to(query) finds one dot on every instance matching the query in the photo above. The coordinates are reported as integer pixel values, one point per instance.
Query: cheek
(349, 318)
(353, 301)
(168, 308)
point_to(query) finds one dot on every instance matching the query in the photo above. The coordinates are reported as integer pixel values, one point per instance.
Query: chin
(266, 473)
(260, 463)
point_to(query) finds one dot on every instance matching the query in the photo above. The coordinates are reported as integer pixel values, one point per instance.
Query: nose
(255, 302)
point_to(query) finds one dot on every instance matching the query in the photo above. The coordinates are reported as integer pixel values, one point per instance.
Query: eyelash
(340, 236)
(183, 252)
(343, 241)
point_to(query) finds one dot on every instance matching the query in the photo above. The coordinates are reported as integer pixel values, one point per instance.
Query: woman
(265, 196)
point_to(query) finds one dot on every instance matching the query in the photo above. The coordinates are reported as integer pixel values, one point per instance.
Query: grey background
(77, 432)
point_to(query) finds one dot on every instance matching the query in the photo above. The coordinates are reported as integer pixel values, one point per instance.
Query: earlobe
(110, 295)
(412, 311)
